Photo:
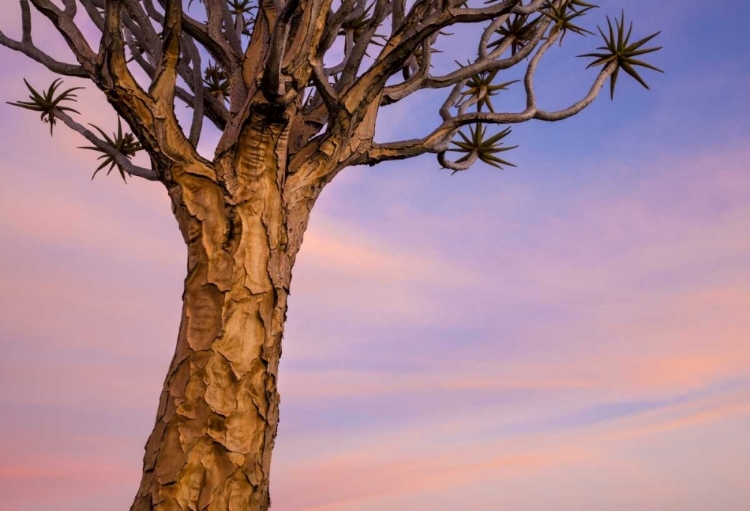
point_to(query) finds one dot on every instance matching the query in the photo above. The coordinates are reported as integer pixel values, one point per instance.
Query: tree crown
(323, 67)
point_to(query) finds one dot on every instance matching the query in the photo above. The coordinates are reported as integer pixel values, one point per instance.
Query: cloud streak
(568, 335)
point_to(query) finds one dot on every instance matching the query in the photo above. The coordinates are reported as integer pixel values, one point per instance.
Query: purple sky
(572, 334)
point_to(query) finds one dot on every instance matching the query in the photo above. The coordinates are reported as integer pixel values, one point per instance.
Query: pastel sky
(570, 334)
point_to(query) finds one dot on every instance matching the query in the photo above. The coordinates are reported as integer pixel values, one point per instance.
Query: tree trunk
(218, 413)
(219, 409)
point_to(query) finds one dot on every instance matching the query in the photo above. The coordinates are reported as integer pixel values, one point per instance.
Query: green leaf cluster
(486, 148)
(563, 16)
(622, 52)
(480, 86)
(123, 142)
(358, 25)
(216, 81)
(518, 27)
(48, 102)
(244, 10)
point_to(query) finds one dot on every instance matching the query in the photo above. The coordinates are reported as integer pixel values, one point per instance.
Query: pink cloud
(365, 476)
(358, 481)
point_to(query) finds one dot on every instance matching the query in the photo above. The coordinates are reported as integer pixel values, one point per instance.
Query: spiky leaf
(517, 27)
(481, 88)
(619, 50)
(48, 102)
(486, 148)
(124, 143)
(216, 81)
(564, 14)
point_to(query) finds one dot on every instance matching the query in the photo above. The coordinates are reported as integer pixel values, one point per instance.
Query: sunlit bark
(219, 409)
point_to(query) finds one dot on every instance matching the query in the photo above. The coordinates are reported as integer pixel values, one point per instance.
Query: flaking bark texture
(219, 409)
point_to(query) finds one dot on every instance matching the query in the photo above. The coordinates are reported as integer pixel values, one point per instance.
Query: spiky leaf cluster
(419, 55)
(622, 52)
(241, 7)
(244, 11)
(479, 91)
(563, 16)
(580, 4)
(477, 142)
(357, 26)
(481, 88)
(48, 102)
(124, 143)
(519, 28)
(216, 81)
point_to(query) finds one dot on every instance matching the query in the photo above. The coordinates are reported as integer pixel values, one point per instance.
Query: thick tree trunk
(218, 413)
(219, 409)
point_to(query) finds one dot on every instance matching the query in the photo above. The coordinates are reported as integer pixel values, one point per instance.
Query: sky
(569, 334)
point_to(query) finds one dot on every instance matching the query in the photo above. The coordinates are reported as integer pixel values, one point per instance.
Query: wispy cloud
(571, 334)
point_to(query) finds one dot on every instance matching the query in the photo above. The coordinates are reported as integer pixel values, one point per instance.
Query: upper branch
(62, 19)
(211, 36)
(150, 114)
(425, 19)
(165, 79)
(437, 141)
(117, 157)
(27, 47)
(272, 81)
(472, 85)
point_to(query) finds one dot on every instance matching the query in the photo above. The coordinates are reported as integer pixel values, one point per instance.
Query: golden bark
(219, 408)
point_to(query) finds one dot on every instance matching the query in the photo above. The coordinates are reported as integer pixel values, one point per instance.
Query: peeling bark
(219, 410)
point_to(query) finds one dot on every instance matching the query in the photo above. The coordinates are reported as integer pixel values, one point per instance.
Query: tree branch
(197, 86)
(272, 82)
(63, 22)
(31, 51)
(119, 158)
(164, 82)
(438, 140)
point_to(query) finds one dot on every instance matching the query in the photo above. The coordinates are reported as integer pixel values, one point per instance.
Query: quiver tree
(295, 88)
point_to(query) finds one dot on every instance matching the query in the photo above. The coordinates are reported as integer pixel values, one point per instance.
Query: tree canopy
(336, 62)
